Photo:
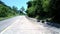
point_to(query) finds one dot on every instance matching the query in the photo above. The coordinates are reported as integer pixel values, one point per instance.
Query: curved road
(21, 25)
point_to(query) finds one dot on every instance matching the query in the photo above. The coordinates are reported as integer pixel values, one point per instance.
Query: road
(21, 25)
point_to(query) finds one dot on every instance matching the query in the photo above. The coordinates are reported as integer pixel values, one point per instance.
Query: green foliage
(55, 8)
(31, 12)
(31, 9)
(43, 9)
(6, 11)
(29, 4)
(21, 11)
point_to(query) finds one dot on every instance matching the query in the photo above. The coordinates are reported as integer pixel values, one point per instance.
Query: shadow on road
(53, 24)
(45, 24)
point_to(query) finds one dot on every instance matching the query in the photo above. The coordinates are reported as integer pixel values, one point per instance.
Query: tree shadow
(53, 24)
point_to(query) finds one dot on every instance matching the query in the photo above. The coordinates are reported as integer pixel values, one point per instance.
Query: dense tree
(15, 10)
(31, 9)
(43, 9)
(21, 11)
(6, 11)
(55, 8)
(35, 8)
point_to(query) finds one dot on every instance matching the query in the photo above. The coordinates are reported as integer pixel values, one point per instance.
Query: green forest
(7, 11)
(40, 9)
(44, 10)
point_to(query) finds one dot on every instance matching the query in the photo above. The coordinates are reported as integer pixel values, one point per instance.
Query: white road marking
(9, 26)
(24, 26)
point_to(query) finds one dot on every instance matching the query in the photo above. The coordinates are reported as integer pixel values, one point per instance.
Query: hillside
(6, 11)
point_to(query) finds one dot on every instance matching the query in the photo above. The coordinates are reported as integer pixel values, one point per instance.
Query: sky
(17, 3)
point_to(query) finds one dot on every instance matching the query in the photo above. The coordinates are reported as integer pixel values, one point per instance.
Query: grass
(3, 18)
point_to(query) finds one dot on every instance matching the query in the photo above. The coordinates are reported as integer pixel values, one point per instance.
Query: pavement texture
(21, 25)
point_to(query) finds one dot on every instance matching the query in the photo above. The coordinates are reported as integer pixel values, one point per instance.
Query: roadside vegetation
(48, 10)
(8, 12)
(44, 9)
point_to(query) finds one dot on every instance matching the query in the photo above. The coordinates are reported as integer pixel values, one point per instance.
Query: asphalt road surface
(21, 25)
